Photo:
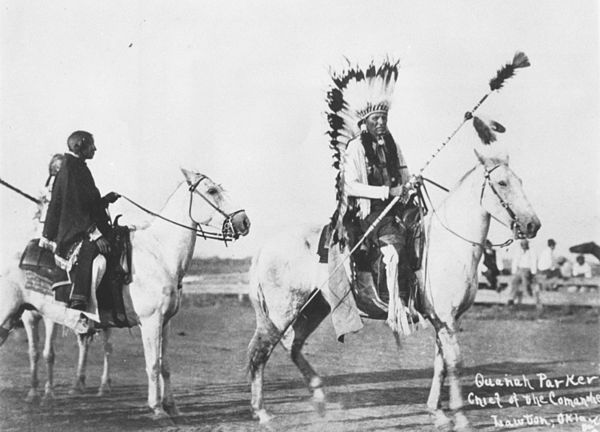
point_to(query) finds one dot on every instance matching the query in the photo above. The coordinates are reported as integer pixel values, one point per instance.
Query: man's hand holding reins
(406, 190)
(111, 197)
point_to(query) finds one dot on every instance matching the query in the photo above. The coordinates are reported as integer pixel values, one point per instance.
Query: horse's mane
(465, 175)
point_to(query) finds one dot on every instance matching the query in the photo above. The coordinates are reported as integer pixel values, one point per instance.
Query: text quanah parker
(542, 380)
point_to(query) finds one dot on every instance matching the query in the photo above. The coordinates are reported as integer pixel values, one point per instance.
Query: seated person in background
(565, 267)
(581, 268)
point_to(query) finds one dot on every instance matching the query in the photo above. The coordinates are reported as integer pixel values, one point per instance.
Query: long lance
(519, 60)
(19, 191)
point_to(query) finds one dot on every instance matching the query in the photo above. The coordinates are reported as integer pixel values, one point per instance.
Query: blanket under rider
(351, 300)
(43, 275)
(345, 314)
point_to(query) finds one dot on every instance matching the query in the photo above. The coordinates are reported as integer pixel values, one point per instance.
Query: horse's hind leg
(310, 318)
(49, 329)
(260, 348)
(31, 322)
(11, 303)
(105, 384)
(83, 341)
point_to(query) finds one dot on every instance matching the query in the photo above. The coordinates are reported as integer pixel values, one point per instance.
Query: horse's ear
(480, 157)
(190, 176)
(488, 155)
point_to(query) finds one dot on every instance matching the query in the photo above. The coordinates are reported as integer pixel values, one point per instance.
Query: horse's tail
(266, 334)
(11, 301)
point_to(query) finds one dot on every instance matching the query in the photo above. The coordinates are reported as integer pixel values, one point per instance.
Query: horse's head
(502, 192)
(210, 205)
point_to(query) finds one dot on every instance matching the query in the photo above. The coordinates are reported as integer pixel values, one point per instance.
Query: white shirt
(524, 259)
(546, 260)
(356, 181)
(582, 270)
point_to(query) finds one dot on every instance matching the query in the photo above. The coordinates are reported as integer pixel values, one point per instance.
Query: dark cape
(76, 206)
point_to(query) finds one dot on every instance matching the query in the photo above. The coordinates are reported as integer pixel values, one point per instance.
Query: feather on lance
(520, 60)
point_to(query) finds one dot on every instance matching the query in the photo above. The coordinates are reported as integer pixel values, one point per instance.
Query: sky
(236, 90)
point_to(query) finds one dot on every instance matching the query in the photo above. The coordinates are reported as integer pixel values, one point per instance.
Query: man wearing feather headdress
(372, 171)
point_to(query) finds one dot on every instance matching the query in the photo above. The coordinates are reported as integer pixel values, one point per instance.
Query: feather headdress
(355, 93)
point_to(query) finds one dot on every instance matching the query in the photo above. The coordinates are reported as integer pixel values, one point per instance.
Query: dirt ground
(371, 385)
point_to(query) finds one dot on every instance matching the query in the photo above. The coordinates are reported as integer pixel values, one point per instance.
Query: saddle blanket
(43, 275)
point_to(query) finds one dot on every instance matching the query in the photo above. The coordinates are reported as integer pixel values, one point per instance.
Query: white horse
(284, 276)
(161, 255)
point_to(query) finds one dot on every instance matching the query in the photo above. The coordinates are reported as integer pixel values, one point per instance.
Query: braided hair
(393, 163)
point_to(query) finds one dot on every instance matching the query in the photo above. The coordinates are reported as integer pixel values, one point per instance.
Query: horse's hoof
(161, 416)
(262, 416)
(33, 397)
(461, 423)
(441, 421)
(75, 390)
(47, 401)
(104, 390)
(319, 402)
(78, 387)
(443, 427)
(172, 409)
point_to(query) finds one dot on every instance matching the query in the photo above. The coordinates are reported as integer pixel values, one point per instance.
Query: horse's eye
(502, 183)
(212, 191)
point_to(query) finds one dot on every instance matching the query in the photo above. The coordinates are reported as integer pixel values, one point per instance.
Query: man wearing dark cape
(77, 213)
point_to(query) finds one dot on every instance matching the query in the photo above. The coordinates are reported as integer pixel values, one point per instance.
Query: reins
(227, 233)
(503, 203)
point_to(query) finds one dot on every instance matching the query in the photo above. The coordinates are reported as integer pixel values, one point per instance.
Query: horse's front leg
(151, 329)
(168, 400)
(105, 384)
(31, 324)
(453, 362)
(441, 421)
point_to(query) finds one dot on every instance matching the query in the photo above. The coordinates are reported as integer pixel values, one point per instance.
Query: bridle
(506, 205)
(228, 232)
(513, 217)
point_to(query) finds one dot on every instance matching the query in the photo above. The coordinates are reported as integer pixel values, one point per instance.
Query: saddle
(369, 286)
(44, 275)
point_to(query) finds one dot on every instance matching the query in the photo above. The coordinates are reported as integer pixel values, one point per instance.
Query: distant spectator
(490, 264)
(565, 267)
(547, 265)
(523, 268)
(581, 268)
